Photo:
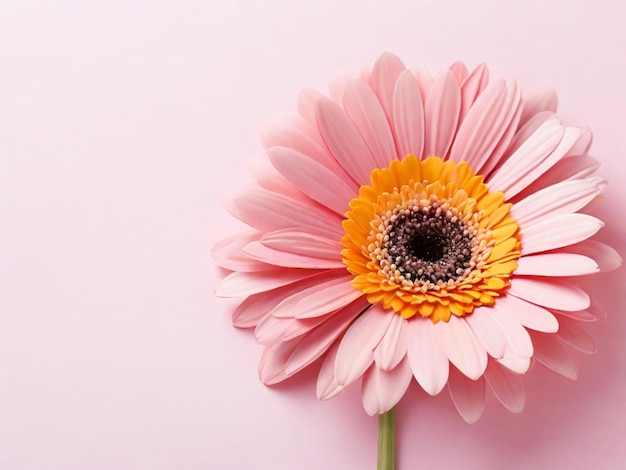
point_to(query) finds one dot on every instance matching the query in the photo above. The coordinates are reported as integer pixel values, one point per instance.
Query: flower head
(417, 227)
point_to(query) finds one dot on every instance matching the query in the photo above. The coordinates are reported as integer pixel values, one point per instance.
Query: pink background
(121, 125)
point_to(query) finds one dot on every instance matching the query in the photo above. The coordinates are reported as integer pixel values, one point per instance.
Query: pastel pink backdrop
(123, 123)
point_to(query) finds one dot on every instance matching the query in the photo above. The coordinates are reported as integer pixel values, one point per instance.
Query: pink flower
(418, 227)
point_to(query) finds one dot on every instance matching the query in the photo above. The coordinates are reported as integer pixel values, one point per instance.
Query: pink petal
(247, 315)
(299, 327)
(529, 315)
(392, 348)
(513, 362)
(551, 353)
(467, 395)
(338, 84)
(273, 361)
(424, 79)
(383, 389)
(366, 75)
(303, 243)
(508, 387)
(517, 338)
(541, 99)
(307, 103)
(532, 155)
(487, 331)
(386, 71)
(296, 133)
(322, 298)
(227, 253)
(315, 343)
(408, 115)
(525, 132)
(486, 123)
(367, 114)
(356, 351)
(556, 264)
(327, 387)
(442, 108)
(256, 306)
(252, 310)
(272, 330)
(314, 179)
(581, 147)
(569, 168)
(268, 212)
(344, 141)
(472, 87)
(428, 361)
(242, 284)
(551, 293)
(582, 315)
(260, 252)
(269, 179)
(560, 198)
(558, 231)
(607, 258)
(598, 310)
(460, 71)
(573, 335)
(459, 343)
(536, 164)
(499, 153)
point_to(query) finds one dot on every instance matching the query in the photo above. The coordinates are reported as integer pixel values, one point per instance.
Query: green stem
(387, 440)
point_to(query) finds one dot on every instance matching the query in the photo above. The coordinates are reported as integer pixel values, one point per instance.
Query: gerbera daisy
(417, 226)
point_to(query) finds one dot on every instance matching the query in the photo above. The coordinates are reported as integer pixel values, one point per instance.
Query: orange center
(428, 237)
